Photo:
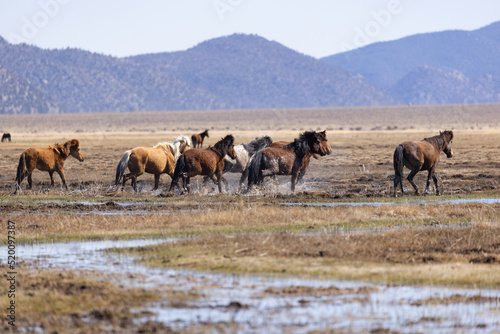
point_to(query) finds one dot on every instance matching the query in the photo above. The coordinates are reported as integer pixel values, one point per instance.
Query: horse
(209, 161)
(283, 158)
(244, 153)
(155, 160)
(421, 155)
(198, 139)
(5, 137)
(49, 159)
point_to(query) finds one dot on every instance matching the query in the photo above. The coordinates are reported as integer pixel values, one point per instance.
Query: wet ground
(257, 304)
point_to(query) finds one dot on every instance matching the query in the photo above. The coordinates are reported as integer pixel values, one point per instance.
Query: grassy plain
(449, 244)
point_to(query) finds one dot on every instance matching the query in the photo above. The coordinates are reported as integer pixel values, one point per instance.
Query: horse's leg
(187, 183)
(410, 179)
(30, 181)
(428, 183)
(157, 181)
(63, 178)
(51, 174)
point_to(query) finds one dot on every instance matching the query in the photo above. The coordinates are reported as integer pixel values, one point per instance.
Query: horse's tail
(254, 173)
(193, 140)
(179, 168)
(122, 166)
(398, 166)
(21, 168)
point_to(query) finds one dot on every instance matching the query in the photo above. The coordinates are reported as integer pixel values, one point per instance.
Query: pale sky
(314, 27)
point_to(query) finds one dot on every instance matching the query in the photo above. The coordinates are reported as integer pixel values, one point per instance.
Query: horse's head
(448, 139)
(231, 151)
(206, 133)
(319, 144)
(73, 148)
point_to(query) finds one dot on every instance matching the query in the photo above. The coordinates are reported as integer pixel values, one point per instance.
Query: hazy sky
(313, 27)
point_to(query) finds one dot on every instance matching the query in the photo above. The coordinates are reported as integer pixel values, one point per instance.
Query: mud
(256, 304)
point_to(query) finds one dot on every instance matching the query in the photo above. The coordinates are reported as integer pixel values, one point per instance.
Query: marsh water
(450, 201)
(275, 304)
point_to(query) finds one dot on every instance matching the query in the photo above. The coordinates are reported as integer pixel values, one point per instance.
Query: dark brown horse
(421, 155)
(198, 139)
(282, 158)
(49, 159)
(5, 137)
(209, 161)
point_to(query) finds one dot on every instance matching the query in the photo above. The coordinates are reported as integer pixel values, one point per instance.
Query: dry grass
(467, 256)
(197, 215)
(65, 301)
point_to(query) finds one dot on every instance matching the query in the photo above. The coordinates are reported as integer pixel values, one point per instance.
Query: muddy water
(451, 201)
(244, 303)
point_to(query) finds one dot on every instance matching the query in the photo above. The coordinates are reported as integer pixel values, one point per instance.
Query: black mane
(257, 144)
(222, 146)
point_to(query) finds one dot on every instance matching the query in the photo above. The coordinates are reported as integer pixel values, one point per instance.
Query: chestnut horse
(198, 139)
(209, 161)
(154, 160)
(421, 155)
(282, 158)
(49, 159)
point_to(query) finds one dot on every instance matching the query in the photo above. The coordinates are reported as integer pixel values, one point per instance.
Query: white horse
(244, 153)
(177, 147)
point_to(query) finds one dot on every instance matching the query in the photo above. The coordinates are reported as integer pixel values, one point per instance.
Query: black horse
(5, 137)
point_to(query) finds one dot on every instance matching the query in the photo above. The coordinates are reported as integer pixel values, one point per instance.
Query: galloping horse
(244, 153)
(421, 155)
(49, 159)
(289, 159)
(209, 161)
(5, 137)
(198, 139)
(155, 160)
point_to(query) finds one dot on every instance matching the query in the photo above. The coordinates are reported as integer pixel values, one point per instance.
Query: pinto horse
(283, 158)
(49, 159)
(244, 153)
(198, 139)
(155, 160)
(421, 155)
(209, 161)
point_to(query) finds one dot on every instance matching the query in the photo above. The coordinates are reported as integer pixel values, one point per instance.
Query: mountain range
(247, 71)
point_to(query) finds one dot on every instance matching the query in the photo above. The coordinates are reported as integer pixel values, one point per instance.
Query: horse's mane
(441, 139)
(301, 145)
(222, 145)
(64, 148)
(258, 144)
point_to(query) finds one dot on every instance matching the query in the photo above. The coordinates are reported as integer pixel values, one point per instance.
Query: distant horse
(49, 159)
(6, 136)
(421, 155)
(290, 159)
(155, 160)
(198, 139)
(209, 161)
(244, 154)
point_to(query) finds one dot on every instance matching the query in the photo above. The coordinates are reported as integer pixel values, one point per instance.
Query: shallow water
(450, 201)
(240, 300)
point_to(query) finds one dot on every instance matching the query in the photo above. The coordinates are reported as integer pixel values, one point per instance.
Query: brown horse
(198, 139)
(49, 159)
(209, 161)
(421, 155)
(154, 160)
(282, 158)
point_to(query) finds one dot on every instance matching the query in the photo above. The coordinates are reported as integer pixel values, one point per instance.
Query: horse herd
(254, 160)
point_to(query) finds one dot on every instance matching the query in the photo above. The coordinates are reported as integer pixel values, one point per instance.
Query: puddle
(241, 300)
(450, 201)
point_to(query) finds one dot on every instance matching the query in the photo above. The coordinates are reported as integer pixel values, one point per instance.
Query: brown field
(444, 244)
